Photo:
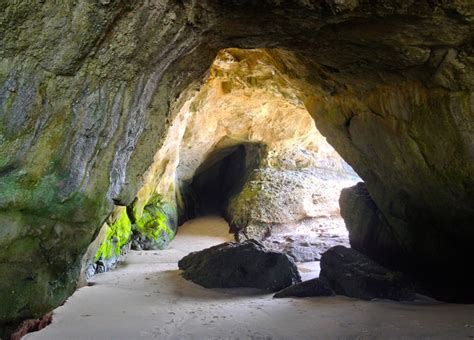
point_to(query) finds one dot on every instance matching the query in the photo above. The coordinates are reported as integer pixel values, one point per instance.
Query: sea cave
(236, 169)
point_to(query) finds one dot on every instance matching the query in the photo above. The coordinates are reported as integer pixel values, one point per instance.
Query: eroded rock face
(274, 199)
(246, 101)
(246, 264)
(401, 161)
(86, 88)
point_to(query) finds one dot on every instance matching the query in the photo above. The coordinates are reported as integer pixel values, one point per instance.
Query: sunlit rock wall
(247, 98)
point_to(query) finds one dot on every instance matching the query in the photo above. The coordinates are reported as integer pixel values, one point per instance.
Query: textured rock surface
(351, 273)
(32, 325)
(369, 232)
(246, 264)
(314, 287)
(248, 98)
(275, 196)
(274, 199)
(86, 87)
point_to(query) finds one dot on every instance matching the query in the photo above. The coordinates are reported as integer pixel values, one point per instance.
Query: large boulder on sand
(353, 274)
(247, 264)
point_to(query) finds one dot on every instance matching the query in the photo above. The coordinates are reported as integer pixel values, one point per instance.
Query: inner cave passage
(218, 178)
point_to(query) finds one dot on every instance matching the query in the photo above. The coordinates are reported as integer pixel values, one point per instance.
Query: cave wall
(79, 85)
(86, 87)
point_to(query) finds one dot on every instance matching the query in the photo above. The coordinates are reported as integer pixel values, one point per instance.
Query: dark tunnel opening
(222, 175)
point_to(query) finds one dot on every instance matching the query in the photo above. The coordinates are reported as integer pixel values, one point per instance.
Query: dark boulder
(371, 234)
(314, 287)
(246, 264)
(368, 229)
(353, 274)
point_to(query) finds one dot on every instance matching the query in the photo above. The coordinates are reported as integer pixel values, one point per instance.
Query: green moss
(238, 208)
(157, 222)
(117, 236)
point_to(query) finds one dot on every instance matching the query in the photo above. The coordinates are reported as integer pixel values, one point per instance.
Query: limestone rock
(313, 287)
(353, 274)
(247, 264)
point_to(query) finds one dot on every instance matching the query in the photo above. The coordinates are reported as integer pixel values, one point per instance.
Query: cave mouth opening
(222, 175)
(244, 148)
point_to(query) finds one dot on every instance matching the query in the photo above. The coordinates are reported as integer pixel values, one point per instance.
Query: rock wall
(417, 162)
(86, 87)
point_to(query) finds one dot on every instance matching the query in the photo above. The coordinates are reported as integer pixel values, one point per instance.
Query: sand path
(146, 298)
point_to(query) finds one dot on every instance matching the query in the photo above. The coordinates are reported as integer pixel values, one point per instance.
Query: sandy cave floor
(146, 298)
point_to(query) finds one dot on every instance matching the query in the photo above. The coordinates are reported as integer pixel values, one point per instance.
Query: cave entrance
(222, 175)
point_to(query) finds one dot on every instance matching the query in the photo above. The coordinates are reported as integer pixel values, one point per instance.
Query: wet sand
(146, 298)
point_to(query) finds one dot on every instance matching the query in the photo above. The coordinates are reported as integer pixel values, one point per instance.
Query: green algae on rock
(117, 236)
(156, 225)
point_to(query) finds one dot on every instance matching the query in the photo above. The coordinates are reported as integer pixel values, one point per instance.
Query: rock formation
(353, 274)
(229, 151)
(369, 232)
(87, 91)
(345, 271)
(239, 118)
(247, 264)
